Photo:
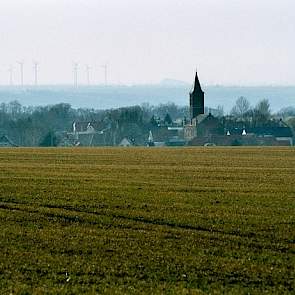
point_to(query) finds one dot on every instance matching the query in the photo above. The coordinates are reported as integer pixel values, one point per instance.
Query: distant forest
(31, 126)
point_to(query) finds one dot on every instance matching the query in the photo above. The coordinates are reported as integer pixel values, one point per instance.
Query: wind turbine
(105, 67)
(36, 68)
(21, 68)
(75, 70)
(10, 70)
(88, 68)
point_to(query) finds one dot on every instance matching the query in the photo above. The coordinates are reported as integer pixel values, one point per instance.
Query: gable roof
(125, 142)
(275, 131)
(5, 141)
(84, 126)
(205, 118)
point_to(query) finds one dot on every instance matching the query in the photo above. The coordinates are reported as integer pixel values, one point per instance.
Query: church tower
(197, 99)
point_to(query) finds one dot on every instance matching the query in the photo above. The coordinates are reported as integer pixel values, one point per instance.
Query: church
(196, 109)
(205, 129)
(197, 106)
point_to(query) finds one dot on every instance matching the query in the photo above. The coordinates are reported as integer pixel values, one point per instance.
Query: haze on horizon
(232, 42)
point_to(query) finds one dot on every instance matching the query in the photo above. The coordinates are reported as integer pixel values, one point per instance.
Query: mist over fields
(105, 97)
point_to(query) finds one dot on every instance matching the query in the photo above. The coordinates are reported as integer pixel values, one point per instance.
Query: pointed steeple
(197, 85)
(197, 99)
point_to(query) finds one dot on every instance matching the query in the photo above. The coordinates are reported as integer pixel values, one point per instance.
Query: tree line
(37, 126)
(260, 115)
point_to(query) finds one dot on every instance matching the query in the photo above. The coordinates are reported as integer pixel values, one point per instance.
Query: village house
(6, 142)
(205, 129)
(125, 142)
(201, 129)
(88, 133)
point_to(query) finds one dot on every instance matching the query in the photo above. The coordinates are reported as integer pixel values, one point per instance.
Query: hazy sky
(144, 41)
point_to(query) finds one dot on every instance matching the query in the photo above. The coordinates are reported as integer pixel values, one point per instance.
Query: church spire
(197, 85)
(197, 99)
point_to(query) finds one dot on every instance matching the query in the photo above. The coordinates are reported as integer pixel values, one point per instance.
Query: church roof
(202, 117)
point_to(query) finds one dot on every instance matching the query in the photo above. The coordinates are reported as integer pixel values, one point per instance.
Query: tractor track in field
(248, 237)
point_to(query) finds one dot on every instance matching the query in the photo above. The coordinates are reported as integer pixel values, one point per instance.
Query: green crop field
(147, 221)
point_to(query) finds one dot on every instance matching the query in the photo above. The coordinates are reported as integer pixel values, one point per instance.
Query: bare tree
(262, 112)
(241, 108)
(286, 112)
(263, 107)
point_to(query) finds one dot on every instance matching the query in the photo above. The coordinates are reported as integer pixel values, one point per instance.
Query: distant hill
(173, 83)
(103, 97)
